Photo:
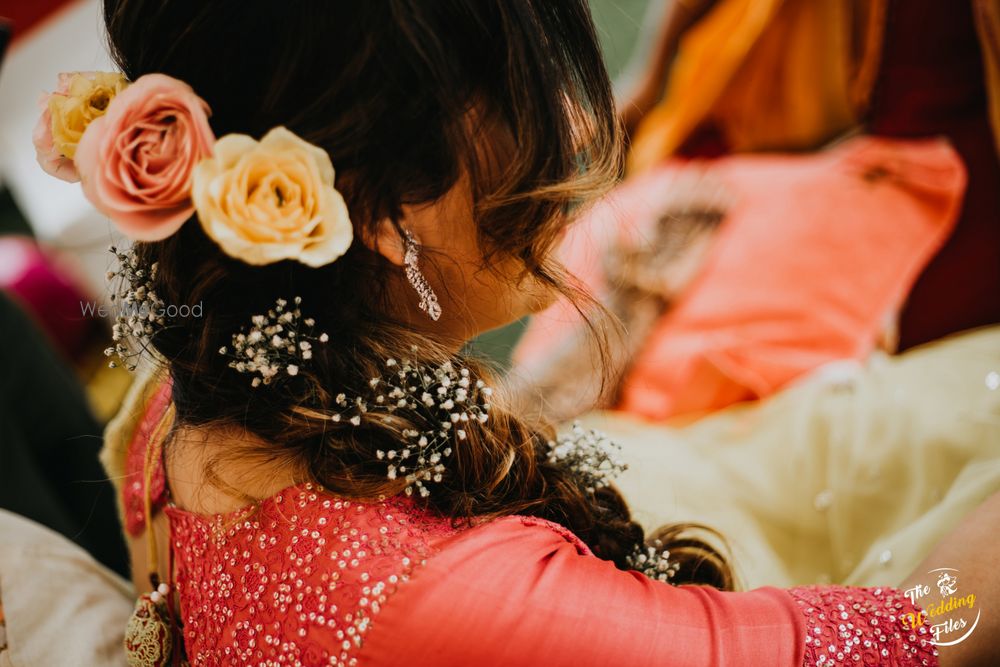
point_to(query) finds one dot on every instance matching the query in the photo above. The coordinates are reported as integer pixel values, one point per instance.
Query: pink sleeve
(518, 592)
(512, 594)
(863, 626)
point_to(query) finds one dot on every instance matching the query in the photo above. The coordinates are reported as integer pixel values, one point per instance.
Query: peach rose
(267, 201)
(79, 98)
(136, 161)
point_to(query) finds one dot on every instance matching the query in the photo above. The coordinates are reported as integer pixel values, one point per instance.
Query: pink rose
(136, 160)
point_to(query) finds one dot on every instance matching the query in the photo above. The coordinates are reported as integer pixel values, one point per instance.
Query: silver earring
(428, 299)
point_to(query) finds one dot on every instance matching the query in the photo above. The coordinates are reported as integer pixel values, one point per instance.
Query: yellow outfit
(850, 477)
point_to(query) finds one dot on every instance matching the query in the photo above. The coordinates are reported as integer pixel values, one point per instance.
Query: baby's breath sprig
(653, 561)
(138, 310)
(589, 454)
(279, 342)
(447, 399)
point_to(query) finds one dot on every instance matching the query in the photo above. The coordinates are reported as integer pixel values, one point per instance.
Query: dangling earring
(428, 299)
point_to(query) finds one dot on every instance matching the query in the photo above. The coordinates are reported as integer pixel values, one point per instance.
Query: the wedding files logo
(951, 610)
(143, 310)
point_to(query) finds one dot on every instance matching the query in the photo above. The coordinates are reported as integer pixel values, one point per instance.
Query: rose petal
(137, 160)
(235, 196)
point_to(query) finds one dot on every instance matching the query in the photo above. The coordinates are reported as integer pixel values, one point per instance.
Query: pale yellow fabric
(106, 387)
(818, 482)
(118, 432)
(61, 606)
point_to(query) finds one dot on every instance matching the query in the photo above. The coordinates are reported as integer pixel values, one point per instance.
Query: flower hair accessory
(79, 99)
(653, 561)
(447, 398)
(138, 309)
(275, 344)
(147, 158)
(266, 201)
(589, 454)
(136, 160)
(453, 397)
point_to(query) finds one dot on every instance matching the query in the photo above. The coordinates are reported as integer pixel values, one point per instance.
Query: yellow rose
(271, 200)
(85, 97)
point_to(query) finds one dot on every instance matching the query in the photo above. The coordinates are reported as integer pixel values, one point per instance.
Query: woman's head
(475, 125)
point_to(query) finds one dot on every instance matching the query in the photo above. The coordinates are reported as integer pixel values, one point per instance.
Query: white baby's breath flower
(263, 351)
(589, 454)
(439, 396)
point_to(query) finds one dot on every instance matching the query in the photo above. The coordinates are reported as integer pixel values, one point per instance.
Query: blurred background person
(877, 225)
(730, 76)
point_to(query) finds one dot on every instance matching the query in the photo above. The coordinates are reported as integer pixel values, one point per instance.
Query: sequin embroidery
(298, 580)
(861, 626)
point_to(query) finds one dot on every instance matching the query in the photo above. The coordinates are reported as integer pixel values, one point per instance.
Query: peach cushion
(814, 253)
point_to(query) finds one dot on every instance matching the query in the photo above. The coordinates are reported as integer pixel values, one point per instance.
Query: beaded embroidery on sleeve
(861, 626)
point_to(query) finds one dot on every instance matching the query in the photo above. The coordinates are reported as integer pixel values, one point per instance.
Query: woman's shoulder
(313, 573)
(524, 591)
(509, 534)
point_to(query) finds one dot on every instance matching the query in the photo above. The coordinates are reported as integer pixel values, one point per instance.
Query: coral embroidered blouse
(306, 578)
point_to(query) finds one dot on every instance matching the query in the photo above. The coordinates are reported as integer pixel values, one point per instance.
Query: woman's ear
(386, 241)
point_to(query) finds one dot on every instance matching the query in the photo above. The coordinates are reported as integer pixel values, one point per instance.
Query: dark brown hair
(398, 93)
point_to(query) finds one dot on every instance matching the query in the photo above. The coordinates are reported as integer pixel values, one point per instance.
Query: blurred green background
(619, 25)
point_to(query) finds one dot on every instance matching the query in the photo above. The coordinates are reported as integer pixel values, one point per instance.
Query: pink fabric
(510, 594)
(49, 293)
(310, 579)
(302, 578)
(847, 626)
(814, 254)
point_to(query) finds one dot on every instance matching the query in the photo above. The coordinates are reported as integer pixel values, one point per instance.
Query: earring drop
(428, 299)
